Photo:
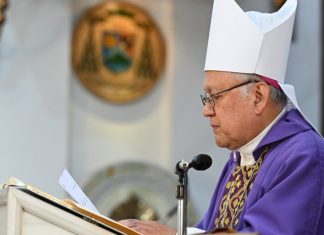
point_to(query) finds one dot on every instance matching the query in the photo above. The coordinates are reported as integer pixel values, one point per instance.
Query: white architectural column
(34, 113)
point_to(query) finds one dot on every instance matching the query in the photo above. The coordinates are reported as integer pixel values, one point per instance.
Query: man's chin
(224, 144)
(220, 143)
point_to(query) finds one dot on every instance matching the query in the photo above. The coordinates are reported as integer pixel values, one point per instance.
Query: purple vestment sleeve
(288, 193)
(288, 196)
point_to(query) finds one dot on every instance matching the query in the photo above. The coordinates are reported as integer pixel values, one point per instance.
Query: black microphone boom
(201, 162)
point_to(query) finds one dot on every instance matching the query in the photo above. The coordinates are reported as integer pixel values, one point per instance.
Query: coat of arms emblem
(118, 51)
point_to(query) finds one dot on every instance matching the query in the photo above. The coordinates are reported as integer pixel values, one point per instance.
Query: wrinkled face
(232, 116)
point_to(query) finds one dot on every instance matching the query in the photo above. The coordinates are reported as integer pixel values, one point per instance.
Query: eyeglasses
(210, 98)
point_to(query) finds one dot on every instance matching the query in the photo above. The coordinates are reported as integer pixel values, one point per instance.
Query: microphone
(200, 162)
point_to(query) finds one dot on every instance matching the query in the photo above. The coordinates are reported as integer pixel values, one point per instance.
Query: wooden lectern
(28, 211)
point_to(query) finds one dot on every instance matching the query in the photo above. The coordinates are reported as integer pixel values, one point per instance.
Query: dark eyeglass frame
(210, 98)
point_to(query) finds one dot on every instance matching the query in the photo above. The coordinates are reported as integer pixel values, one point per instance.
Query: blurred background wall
(49, 121)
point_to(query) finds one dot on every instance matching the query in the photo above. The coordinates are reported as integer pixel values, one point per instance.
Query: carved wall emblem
(118, 52)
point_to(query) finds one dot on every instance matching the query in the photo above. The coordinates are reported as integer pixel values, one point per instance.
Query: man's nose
(208, 110)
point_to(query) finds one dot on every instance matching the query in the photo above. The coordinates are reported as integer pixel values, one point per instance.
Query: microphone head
(201, 162)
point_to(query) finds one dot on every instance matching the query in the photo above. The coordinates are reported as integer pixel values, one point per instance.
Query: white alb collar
(246, 151)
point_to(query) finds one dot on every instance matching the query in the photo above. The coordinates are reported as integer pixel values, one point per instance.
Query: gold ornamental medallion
(118, 52)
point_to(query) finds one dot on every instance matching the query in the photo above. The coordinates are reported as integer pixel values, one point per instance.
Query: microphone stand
(200, 162)
(182, 198)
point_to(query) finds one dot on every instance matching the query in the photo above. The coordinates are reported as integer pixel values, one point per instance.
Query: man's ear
(261, 94)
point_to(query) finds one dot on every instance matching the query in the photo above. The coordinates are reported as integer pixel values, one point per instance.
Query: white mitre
(252, 42)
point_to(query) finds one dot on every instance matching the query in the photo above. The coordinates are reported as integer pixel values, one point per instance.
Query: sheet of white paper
(74, 190)
(192, 231)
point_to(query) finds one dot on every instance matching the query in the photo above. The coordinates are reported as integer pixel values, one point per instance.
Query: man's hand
(148, 227)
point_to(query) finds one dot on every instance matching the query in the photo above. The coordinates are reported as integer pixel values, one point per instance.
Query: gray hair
(277, 95)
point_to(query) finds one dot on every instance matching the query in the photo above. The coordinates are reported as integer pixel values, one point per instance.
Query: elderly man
(273, 182)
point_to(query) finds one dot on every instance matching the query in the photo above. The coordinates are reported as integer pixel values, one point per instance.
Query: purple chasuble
(287, 196)
(236, 191)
